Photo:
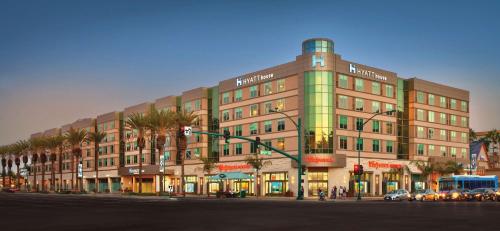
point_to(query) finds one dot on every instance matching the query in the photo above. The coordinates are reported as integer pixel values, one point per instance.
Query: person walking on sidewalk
(333, 192)
(341, 192)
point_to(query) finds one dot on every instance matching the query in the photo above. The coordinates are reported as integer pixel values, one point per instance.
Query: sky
(65, 60)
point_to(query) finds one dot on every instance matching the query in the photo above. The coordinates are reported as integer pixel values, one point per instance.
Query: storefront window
(316, 181)
(390, 182)
(276, 183)
(190, 184)
(366, 182)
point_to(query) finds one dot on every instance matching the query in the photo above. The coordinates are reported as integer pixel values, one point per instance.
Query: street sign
(265, 152)
(162, 162)
(80, 170)
(188, 131)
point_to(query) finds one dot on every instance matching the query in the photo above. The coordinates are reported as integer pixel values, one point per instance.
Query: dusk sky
(65, 60)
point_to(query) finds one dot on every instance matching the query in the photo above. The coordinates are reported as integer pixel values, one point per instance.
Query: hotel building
(334, 98)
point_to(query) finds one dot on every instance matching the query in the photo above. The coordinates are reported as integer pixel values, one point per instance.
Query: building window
(464, 122)
(389, 91)
(359, 144)
(359, 104)
(375, 107)
(442, 118)
(197, 105)
(420, 132)
(420, 149)
(431, 116)
(430, 133)
(388, 146)
(254, 91)
(359, 124)
(197, 152)
(343, 122)
(442, 101)
(431, 149)
(111, 149)
(253, 147)
(268, 88)
(238, 113)
(442, 134)
(343, 102)
(281, 85)
(376, 88)
(420, 114)
(238, 148)
(453, 104)
(453, 135)
(254, 129)
(226, 150)
(420, 97)
(136, 159)
(268, 106)
(376, 126)
(238, 130)
(280, 104)
(431, 99)
(88, 152)
(464, 153)
(389, 107)
(254, 110)
(187, 107)
(453, 152)
(343, 83)
(442, 149)
(464, 137)
(225, 115)
(281, 143)
(388, 127)
(359, 85)
(267, 143)
(453, 120)
(281, 125)
(463, 106)
(238, 95)
(343, 142)
(268, 126)
(376, 146)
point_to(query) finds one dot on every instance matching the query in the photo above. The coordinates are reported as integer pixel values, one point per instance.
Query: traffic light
(360, 169)
(356, 169)
(257, 141)
(227, 135)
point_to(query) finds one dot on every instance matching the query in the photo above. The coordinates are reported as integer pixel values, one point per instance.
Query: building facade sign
(353, 68)
(226, 168)
(377, 165)
(242, 81)
(319, 159)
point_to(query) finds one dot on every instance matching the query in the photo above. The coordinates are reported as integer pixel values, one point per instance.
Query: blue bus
(467, 182)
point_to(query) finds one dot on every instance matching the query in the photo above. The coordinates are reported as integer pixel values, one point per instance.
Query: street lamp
(298, 126)
(359, 149)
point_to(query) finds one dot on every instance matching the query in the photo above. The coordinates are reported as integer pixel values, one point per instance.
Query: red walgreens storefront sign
(225, 168)
(319, 159)
(375, 164)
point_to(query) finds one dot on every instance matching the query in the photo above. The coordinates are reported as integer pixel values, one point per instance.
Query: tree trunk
(3, 177)
(182, 176)
(60, 168)
(140, 169)
(96, 164)
(162, 171)
(18, 178)
(34, 177)
(72, 172)
(43, 177)
(80, 161)
(53, 176)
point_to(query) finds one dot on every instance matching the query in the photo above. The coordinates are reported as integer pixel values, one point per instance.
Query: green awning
(231, 176)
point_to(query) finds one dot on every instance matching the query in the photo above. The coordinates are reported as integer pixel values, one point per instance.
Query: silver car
(397, 195)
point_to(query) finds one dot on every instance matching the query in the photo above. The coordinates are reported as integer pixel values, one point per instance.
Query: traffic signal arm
(250, 140)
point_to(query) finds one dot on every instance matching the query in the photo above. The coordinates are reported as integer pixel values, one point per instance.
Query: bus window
(467, 184)
(459, 184)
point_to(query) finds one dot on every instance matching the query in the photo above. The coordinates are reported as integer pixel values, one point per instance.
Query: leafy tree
(257, 163)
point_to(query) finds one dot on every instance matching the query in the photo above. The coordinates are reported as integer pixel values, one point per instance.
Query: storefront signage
(223, 167)
(241, 81)
(134, 171)
(376, 165)
(365, 73)
(319, 159)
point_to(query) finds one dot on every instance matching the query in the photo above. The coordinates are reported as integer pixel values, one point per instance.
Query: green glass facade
(402, 120)
(318, 106)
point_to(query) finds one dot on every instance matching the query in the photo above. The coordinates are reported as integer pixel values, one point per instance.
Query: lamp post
(298, 126)
(359, 149)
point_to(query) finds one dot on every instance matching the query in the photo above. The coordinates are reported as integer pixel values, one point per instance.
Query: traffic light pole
(298, 159)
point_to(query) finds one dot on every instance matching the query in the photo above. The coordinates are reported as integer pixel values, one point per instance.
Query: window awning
(231, 176)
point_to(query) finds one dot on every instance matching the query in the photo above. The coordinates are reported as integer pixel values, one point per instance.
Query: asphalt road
(73, 212)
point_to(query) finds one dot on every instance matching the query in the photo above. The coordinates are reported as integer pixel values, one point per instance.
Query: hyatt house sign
(365, 73)
(241, 81)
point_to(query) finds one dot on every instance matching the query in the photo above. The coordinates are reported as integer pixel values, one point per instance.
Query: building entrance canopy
(231, 176)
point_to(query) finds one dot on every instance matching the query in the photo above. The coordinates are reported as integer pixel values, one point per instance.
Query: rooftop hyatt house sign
(241, 81)
(365, 73)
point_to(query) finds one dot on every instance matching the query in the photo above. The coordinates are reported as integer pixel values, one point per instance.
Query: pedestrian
(321, 195)
(334, 192)
(346, 192)
(341, 191)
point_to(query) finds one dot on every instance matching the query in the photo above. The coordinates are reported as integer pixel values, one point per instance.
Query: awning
(231, 176)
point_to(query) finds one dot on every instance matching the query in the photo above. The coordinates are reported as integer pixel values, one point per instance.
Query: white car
(397, 195)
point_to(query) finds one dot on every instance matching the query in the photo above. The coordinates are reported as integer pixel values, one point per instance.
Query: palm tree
(43, 159)
(9, 166)
(53, 143)
(452, 167)
(472, 135)
(3, 152)
(257, 163)
(492, 136)
(138, 122)
(23, 147)
(25, 163)
(96, 137)
(208, 167)
(75, 138)
(16, 149)
(182, 119)
(161, 122)
(425, 170)
(35, 145)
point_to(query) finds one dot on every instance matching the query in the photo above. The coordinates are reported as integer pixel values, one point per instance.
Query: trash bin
(243, 193)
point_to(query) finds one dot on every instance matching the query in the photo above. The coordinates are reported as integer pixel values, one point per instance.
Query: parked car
(456, 195)
(397, 195)
(427, 195)
(481, 194)
(416, 195)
